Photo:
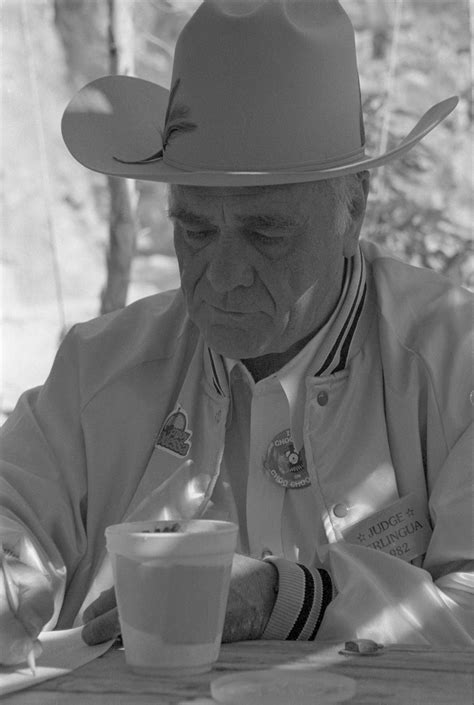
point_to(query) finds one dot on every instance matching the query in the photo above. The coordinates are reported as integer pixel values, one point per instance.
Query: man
(321, 384)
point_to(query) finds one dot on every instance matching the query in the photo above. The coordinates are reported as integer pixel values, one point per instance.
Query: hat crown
(264, 85)
(263, 92)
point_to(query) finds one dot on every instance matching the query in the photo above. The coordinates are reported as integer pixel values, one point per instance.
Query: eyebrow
(188, 217)
(275, 221)
(255, 222)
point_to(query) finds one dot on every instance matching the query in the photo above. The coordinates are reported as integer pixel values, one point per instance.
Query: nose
(228, 267)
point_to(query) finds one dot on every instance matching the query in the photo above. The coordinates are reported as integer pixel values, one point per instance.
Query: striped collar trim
(347, 320)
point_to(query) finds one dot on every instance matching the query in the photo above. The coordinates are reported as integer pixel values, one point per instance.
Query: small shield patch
(174, 435)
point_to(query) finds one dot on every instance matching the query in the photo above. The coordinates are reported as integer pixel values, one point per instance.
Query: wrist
(269, 591)
(251, 599)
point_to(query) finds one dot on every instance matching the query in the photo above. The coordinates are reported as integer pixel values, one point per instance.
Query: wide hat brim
(117, 119)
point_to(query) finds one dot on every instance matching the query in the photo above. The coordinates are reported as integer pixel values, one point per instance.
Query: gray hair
(345, 191)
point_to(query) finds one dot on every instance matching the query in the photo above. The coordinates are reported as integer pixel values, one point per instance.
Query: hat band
(348, 158)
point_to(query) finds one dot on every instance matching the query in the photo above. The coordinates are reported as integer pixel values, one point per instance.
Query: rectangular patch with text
(403, 529)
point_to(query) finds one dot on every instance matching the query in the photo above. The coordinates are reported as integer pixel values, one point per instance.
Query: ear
(356, 213)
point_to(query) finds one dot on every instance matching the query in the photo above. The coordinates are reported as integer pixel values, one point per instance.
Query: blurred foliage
(411, 53)
(421, 204)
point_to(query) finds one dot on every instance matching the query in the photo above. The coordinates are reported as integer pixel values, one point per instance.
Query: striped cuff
(303, 596)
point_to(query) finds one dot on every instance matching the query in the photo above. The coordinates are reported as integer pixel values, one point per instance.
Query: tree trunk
(123, 227)
(379, 22)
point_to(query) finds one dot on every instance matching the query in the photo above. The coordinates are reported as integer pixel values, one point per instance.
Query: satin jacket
(84, 450)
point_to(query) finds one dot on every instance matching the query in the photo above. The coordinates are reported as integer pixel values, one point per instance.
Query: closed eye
(198, 236)
(267, 240)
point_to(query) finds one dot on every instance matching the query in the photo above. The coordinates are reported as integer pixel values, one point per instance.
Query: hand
(18, 632)
(252, 596)
(249, 605)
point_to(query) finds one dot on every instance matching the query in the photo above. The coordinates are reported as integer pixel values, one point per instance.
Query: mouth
(228, 311)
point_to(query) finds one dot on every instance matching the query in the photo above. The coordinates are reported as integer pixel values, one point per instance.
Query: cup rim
(126, 528)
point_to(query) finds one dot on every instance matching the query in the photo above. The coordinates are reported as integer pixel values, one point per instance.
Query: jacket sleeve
(43, 479)
(384, 598)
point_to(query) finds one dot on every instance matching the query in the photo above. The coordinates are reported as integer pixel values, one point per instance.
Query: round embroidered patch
(284, 465)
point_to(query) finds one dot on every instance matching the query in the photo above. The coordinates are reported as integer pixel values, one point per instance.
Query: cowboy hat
(262, 92)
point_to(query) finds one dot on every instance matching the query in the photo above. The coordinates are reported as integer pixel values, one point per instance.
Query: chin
(236, 344)
(232, 351)
(237, 337)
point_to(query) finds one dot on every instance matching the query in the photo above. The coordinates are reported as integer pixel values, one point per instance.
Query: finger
(102, 628)
(104, 603)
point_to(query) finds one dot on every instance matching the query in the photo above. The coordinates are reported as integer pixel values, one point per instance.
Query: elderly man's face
(261, 267)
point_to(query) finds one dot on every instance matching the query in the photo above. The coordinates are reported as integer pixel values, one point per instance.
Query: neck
(266, 365)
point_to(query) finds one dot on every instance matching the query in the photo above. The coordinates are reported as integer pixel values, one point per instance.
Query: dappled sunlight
(376, 489)
(93, 100)
(391, 603)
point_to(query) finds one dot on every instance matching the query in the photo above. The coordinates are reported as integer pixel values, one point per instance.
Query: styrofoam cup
(172, 582)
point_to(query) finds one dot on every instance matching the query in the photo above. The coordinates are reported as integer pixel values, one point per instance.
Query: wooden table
(397, 676)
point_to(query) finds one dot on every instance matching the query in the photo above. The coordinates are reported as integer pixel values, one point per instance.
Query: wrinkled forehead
(278, 196)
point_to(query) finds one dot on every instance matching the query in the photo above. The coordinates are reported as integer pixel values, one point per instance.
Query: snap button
(266, 552)
(323, 398)
(340, 510)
